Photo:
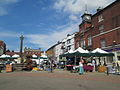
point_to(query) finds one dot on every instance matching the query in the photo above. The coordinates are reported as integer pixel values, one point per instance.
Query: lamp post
(114, 43)
(21, 46)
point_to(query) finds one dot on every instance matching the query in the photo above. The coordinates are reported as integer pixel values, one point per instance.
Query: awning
(86, 54)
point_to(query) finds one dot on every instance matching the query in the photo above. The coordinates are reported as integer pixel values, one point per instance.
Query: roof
(12, 53)
(107, 7)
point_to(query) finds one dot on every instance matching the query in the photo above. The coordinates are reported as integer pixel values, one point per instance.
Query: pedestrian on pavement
(93, 64)
(81, 70)
(108, 70)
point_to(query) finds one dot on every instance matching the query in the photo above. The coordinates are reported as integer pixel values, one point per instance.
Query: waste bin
(0, 69)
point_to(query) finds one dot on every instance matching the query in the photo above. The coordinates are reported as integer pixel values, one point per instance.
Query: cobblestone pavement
(58, 80)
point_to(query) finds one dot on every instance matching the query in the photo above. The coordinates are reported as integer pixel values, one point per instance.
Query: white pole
(39, 61)
(115, 58)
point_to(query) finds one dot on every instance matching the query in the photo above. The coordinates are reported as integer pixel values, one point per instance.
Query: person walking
(93, 64)
(81, 70)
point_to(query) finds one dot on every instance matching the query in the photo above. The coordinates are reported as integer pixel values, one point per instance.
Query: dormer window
(100, 18)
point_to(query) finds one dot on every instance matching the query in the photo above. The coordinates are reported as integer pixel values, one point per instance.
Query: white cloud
(78, 6)
(60, 4)
(47, 40)
(73, 17)
(43, 41)
(10, 38)
(4, 5)
(8, 34)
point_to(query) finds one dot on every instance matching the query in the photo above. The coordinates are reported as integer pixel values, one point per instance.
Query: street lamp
(114, 43)
(21, 46)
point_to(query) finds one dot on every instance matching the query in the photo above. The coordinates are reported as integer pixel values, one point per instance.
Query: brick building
(28, 52)
(2, 47)
(101, 30)
(11, 53)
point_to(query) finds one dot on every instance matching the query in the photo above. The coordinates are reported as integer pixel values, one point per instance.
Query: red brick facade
(28, 52)
(111, 23)
(2, 47)
(104, 28)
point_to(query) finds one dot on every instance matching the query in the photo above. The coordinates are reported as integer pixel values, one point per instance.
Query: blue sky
(42, 22)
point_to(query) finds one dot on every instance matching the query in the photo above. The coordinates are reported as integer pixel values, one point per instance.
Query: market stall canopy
(41, 57)
(5, 56)
(100, 53)
(85, 53)
(98, 50)
(80, 50)
(44, 57)
(35, 56)
(15, 56)
(71, 51)
(8, 56)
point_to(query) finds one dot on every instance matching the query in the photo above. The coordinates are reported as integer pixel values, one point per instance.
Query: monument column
(21, 46)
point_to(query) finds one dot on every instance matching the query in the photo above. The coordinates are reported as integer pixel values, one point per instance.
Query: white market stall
(15, 57)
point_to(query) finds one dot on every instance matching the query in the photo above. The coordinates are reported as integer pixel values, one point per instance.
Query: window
(89, 40)
(115, 21)
(101, 28)
(103, 43)
(77, 44)
(68, 41)
(82, 43)
(63, 43)
(68, 48)
(100, 18)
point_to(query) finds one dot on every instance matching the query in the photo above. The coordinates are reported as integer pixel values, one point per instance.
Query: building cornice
(106, 32)
(113, 3)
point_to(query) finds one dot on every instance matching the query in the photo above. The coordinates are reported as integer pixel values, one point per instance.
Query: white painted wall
(58, 51)
(71, 44)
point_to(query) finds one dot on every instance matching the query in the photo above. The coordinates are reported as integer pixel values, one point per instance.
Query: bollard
(107, 70)
(0, 69)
